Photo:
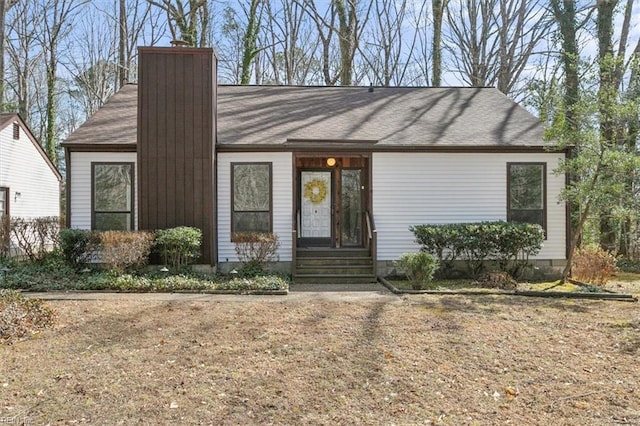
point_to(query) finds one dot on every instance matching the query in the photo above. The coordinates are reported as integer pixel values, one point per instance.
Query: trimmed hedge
(509, 244)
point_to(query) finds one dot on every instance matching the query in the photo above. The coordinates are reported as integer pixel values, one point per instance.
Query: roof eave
(92, 147)
(337, 147)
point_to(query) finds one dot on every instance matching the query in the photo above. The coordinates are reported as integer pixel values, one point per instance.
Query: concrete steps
(333, 266)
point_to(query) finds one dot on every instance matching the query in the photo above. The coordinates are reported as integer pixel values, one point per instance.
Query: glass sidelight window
(351, 207)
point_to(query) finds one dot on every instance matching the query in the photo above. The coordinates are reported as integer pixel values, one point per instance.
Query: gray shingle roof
(274, 115)
(114, 124)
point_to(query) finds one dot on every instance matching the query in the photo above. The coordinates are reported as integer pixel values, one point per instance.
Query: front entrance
(331, 201)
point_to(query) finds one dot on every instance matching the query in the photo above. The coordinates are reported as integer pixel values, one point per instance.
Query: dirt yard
(451, 360)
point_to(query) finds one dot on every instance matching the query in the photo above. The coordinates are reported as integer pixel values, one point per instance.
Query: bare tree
(438, 8)
(421, 26)
(94, 73)
(24, 56)
(58, 19)
(346, 19)
(134, 23)
(188, 20)
(491, 41)
(4, 7)
(385, 52)
(564, 13)
(292, 45)
(249, 40)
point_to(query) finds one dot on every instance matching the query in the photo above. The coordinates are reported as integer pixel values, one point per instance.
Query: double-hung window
(112, 196)
(527, 193)
(4, 201)
(251, 197)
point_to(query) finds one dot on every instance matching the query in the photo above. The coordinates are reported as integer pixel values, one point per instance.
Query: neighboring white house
(29, 182)
(338, 173)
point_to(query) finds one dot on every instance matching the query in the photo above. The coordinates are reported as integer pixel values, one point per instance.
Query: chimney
(176, 147)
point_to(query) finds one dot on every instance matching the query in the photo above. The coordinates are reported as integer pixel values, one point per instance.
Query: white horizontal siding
(80, 196)
(418, 188)
(282, 164)
(34, 189)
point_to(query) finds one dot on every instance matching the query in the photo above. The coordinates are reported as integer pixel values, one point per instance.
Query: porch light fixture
(331, 161)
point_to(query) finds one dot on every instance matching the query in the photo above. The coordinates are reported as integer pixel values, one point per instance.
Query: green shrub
(516, 243)
(442, 241)
(510, 244)
(418, 267)
(121, 250)
(593, 265)
(254, 250)
(179, 246)
(629, 265)
(78, 246)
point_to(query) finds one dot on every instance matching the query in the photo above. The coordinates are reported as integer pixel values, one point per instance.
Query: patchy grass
(623, 283)
(626, 276)
(418, 359)
(550, 286)
(459, 284)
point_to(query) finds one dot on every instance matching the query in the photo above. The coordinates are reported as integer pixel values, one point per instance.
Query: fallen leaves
(489, 360)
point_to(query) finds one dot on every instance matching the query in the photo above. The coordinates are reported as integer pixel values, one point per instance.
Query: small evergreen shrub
(593, 265)
(510, 244)
(122, 250)
(418, 267)
(254, 250)
(79, 246)
(179, 246)
(629, 265)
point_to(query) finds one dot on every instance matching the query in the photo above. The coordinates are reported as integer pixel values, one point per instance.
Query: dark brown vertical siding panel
(175, 144)
(199, 173)
(196, 131)
(172, 99)
(213, 116)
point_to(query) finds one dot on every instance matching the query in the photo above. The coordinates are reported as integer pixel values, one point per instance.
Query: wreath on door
(315, 191)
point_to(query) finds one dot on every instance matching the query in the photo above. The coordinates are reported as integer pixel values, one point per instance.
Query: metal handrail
(294, 241)
(372, 234)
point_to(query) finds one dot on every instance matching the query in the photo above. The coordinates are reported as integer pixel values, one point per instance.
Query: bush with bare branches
(255, 249)
(33, 237)
(593, 265)
(121, 250)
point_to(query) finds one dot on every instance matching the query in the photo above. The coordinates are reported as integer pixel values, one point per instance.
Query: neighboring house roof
(409, 117)
(7, 119)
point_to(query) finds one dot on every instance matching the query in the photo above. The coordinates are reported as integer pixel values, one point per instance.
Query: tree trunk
(50, 136)
(122, 42)
(5, 5)
(249, 42)
(438, 13)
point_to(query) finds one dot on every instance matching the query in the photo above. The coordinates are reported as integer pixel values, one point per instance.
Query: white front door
(315, 204)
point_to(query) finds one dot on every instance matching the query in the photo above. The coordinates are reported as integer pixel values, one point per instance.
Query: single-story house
(338, 173)
(30, 183)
